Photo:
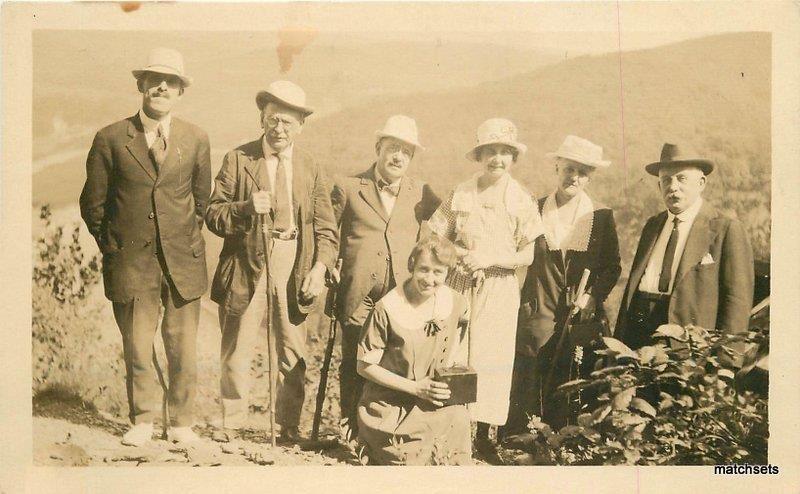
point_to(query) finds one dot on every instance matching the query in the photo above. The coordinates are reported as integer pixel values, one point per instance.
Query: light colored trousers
(239, 334)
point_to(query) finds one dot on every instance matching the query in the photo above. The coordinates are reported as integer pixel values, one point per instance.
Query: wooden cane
(330, 310)
(271, 350)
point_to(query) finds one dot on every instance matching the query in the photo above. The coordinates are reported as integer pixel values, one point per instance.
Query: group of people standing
(486, 278)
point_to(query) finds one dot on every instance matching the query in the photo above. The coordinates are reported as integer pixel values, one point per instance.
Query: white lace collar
(568, 236)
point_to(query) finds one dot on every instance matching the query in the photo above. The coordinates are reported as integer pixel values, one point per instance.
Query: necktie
(393, 189)
(669, 256)
(280, 194)
(158, 151)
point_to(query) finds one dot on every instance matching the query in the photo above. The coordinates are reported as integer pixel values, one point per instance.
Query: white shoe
(182, 435)
(138, 435)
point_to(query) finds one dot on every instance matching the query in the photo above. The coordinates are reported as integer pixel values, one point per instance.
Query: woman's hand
(433, 391)
(475, 261)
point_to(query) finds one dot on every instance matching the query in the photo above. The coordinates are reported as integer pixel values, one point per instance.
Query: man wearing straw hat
(148, 179)
(272, 184)
(693, 265)
(379, 212)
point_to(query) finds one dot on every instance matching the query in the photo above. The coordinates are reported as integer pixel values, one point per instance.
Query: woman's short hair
(480, 150)
(440, 250)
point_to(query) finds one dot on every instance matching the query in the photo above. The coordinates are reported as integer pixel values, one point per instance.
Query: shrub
(665, 404)
(70, 350)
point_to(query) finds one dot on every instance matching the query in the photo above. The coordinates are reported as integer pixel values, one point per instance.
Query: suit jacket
(710, 295)
(543, 299)
(243, 251)
(132, 209)
(370, 237)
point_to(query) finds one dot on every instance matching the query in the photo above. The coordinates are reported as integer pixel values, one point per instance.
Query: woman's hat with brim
(496, 131)
(672, 155)
(402, 128)
(164, 61)
(285, 93)
(582, 151)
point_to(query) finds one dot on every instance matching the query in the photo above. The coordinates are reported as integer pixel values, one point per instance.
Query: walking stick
(330, 311)
(271, 350)
(566, 327)
(164, 407)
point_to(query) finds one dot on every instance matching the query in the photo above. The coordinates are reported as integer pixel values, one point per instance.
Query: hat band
(580, 158)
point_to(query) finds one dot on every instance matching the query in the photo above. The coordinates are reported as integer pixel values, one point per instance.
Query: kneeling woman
(413, 330)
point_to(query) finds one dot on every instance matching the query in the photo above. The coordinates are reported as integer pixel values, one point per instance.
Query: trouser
(350, 382)
(646, 313)
(138, 322)
(239, 334)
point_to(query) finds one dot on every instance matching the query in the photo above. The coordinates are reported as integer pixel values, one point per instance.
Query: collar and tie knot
(158, 151)
(393, 189)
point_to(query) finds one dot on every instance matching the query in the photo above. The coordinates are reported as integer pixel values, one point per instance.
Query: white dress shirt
(151, 127)
(272, 171)
(649, 281)
(387, 198)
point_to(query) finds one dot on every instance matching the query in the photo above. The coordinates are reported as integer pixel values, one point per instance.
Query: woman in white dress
(493, 222)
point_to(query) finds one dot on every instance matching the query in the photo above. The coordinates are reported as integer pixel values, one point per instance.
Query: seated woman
(414, 329)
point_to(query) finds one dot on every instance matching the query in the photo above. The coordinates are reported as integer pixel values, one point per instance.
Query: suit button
(147, 242)
(388, 258)
(151, 215)
(373, 275)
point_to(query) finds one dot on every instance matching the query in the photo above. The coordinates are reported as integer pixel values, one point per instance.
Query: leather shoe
(182, 435)
(138, 435)
(291, 435)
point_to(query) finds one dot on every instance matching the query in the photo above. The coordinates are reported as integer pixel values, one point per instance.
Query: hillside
(712, 92)
(228, 69)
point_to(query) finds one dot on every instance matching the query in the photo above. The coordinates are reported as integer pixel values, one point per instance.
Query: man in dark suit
(693, 265)
(148, 179)
(270, 182)
(379, 212)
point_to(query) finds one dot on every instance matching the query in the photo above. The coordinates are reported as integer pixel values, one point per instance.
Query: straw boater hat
(671, 154)
(582, 151)
(400, 127)
(164, 61)
(496, 131)
(285, 93)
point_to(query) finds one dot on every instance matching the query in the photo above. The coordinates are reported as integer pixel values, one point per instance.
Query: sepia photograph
(405, 234)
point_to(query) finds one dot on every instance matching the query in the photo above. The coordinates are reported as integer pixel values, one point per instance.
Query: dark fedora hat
(672, 155)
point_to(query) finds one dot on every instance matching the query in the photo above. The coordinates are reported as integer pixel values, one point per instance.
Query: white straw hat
(496, 131)
(582, 151)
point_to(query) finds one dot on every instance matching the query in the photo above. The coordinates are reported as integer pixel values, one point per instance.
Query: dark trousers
(646, 313)
(138, 322)
(350, 382)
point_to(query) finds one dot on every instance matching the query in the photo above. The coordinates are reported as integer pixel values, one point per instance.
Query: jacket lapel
(649, 237)
(137, 146)
(369, 192)
(299, 181)
(255, 160)
(701, 235)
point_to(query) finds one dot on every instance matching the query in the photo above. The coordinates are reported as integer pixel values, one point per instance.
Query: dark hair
(481, 149)
(439, 249)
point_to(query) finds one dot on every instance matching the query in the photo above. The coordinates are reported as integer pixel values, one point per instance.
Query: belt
(653, 297)
(287, 235)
